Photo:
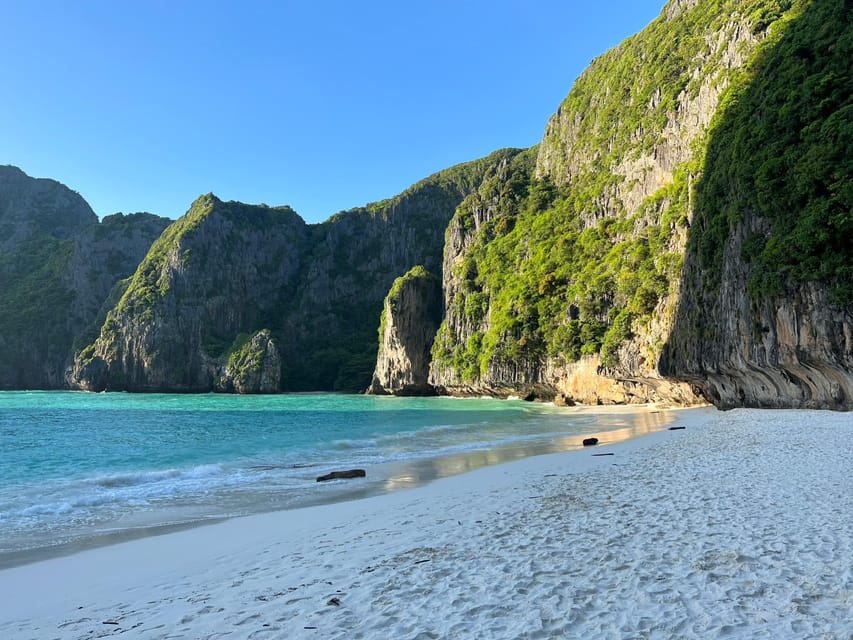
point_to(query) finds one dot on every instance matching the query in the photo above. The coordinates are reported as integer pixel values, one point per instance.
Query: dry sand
(739, 526)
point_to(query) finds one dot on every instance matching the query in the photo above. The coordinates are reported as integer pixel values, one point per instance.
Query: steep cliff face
(38, 221)
(573, 291)
(670, 78)
(104, 255)
(227, 269)
(618, 271)
(789, 351)
(221, 270)
(766, 311)
(356, 256)
(682, 232)
(32, 206)
(57, 266)
(410, 318)
(459, 364)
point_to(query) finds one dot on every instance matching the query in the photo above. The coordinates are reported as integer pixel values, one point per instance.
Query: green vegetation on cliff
(555, 287)
(620, 105)
(563, 268)
(33, 284)
(57, 265)
(150, 282)
(226, 269)
(392, 300)
(781, 149)
(356, 256)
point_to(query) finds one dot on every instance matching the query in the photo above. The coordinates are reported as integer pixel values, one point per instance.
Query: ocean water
(79, 469)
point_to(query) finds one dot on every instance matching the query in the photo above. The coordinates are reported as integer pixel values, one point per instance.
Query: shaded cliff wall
(58, 265)
(766, 311)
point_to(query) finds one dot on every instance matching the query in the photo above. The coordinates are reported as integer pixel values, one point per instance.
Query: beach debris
(597, 455)
(590, 442)
(343, 475)
(334, 602)
(422, 561)
(676, 428)
(109, 622)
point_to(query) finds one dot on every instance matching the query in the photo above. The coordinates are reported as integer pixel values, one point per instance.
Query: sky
(143, 105)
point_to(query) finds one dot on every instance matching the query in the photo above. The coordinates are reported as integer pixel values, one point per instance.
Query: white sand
(740, 526)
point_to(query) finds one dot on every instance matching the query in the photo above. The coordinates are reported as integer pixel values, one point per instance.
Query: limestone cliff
(356, 256)
(459, 364)
(57, 266)
(765, 316)
(681, 233)
(788, 351)
(226, 269)
(410, 318)
(221, 270)
(583, 280)
(595, 241)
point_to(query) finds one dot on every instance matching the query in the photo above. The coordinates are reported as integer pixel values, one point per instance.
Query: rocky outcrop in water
(222, 270)
(254, 367)
(410, 318)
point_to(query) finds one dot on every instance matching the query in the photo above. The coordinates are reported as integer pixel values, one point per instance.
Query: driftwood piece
(343, 475)
(676, 428)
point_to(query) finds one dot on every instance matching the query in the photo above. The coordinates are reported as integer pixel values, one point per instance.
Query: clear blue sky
(142, 105)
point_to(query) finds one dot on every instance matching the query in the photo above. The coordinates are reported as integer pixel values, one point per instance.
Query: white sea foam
(148, 477)
(52, 509)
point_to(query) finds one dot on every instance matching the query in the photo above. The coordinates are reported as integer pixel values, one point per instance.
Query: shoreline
(384, 478)
(738, 525)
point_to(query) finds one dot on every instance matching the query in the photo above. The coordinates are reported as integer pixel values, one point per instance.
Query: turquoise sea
(80, 469)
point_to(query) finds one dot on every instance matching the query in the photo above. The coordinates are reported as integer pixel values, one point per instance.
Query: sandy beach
(738, 526)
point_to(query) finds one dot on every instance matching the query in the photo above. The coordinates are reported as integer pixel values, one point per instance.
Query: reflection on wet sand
(626, 423)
